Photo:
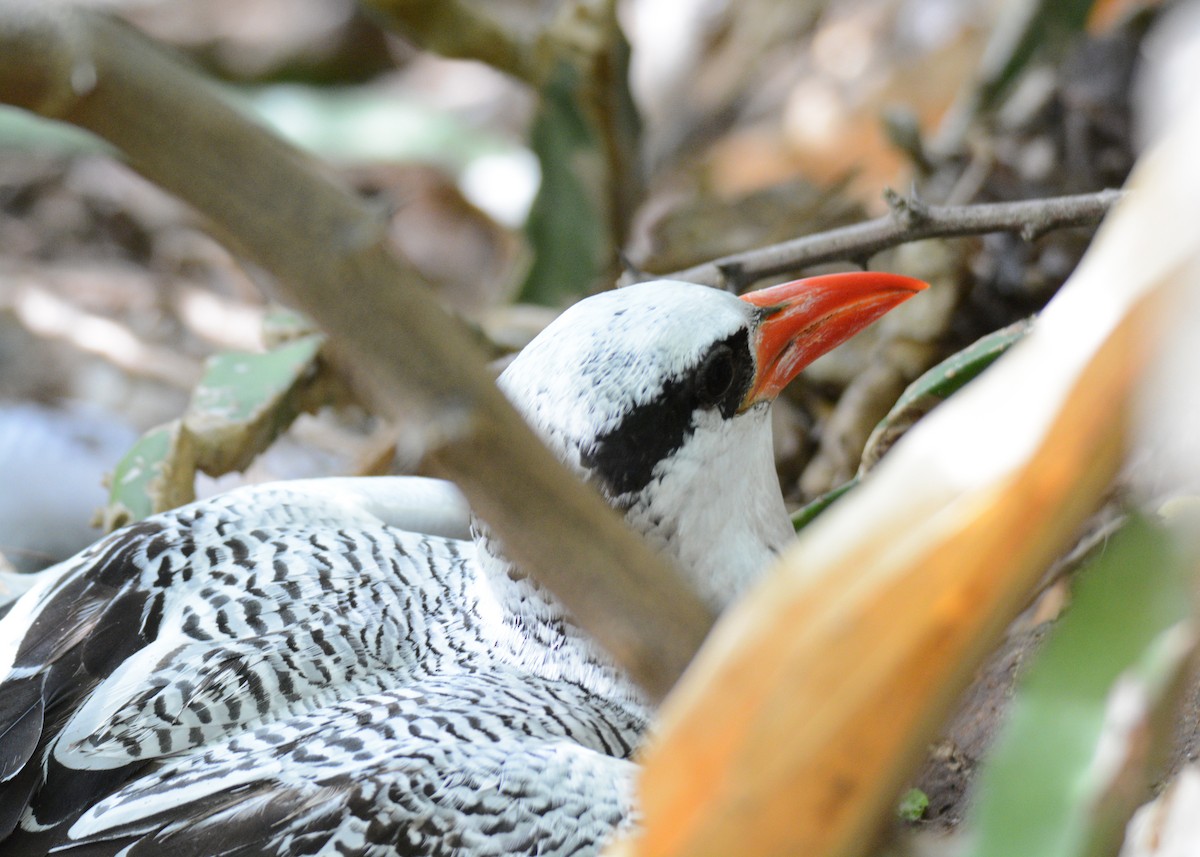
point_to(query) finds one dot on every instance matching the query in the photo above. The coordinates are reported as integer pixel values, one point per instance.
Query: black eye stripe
(624, 458)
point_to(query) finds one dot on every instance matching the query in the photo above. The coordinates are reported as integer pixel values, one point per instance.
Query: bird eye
(715, 375)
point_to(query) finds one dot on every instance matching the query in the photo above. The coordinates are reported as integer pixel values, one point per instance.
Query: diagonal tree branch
(328, 251)
(327, 248)
(908, 220)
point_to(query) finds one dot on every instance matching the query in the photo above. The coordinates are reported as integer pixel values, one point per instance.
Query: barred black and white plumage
(294, 620)
(320, 667)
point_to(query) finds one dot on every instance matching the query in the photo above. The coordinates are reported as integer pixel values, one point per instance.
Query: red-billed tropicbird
(285, 669)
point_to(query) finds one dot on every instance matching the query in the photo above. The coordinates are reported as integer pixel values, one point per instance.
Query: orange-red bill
(803, 319)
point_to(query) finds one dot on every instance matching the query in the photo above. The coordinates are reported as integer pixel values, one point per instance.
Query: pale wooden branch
(909, 219)
(815, 697)
(328, 250)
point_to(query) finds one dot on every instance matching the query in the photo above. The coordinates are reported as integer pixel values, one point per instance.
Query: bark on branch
(328, 251)
(908, 220)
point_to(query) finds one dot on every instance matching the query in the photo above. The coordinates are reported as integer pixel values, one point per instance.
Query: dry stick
(328, 251)
(908, 220)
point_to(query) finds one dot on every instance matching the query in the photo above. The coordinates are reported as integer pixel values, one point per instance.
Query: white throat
(715, 507)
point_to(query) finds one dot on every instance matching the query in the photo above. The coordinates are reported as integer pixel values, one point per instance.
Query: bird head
(659, 395)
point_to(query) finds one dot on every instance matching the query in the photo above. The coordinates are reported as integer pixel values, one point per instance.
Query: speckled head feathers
(615, 352)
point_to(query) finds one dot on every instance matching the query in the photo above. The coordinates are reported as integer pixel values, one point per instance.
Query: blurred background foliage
(594, 137)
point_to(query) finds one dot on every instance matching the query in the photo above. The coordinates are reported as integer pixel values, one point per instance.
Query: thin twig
(909, 219)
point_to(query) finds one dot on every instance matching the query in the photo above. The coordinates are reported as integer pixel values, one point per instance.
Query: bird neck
(534, 629)
(717, 511)
(714, 508)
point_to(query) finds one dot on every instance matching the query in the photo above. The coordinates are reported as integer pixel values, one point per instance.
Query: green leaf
(245, 400)
(958, 369)
(808, 513)
(913, 804)
(237, 385)
(1063, 779)
(938, 384)
(586, 138)
(567, 228)
(919, 398)
(158, 473)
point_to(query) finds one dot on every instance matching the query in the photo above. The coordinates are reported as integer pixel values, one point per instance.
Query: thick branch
(908, 220)
(329, 253)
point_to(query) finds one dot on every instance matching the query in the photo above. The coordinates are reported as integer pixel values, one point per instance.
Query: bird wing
(488, 762)
(182, 628)
(415, 504)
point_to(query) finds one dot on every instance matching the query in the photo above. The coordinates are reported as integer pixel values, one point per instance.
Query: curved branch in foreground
(329, 253)
(909, 219)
